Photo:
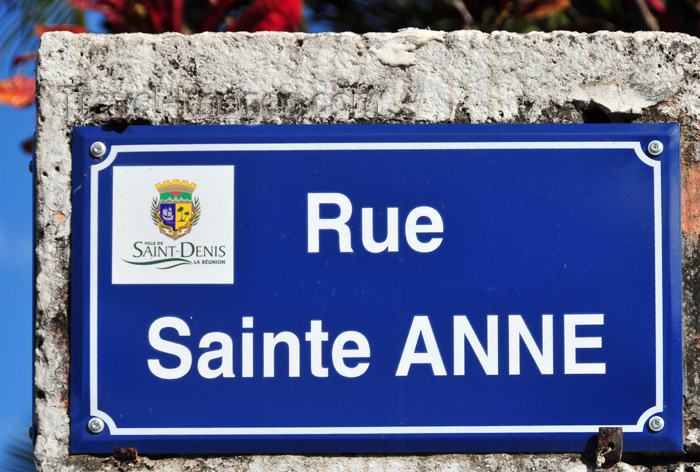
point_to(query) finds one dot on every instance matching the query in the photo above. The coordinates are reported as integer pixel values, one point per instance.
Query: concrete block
(412, 76)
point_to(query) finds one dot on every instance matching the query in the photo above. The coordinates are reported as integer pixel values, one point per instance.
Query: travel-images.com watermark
(77, 103)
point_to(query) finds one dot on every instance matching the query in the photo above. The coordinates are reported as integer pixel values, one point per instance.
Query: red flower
(657, 5)
(268, 15)
(22, 58)
(17, 91)
(41, 29)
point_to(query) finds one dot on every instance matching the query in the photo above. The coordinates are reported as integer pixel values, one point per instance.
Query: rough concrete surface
(410, 76)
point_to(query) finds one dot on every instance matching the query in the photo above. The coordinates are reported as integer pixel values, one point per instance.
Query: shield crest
(175, 211)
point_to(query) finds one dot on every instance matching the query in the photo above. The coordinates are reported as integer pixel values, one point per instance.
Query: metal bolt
(656, 424)
(98, 149)
(655, 148)
(96, 425)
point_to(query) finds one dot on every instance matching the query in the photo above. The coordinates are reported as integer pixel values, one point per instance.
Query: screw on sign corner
(96, 425)
(656, 424)
(98, 149)
(655, 148)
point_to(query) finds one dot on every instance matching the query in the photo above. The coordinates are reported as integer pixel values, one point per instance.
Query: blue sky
(15, 274)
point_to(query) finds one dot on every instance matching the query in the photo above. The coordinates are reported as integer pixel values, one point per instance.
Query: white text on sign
(350, 350)
(339, 224)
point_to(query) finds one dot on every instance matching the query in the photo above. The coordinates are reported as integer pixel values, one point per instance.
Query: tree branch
(648, 17)
(467, 17)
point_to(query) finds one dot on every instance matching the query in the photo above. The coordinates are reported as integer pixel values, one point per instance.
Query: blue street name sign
(375, 288)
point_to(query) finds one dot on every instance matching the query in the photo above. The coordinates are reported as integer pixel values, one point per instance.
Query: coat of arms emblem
(175, 212)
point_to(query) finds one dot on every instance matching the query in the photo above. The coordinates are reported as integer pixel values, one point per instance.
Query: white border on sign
(254, 431)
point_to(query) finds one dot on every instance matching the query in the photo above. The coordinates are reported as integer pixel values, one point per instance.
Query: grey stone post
(412, 76)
